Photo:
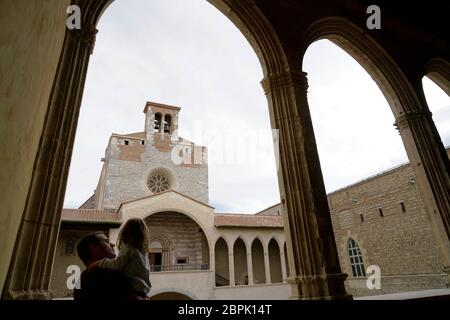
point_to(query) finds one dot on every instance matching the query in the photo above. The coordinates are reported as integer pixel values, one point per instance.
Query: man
(100, 283)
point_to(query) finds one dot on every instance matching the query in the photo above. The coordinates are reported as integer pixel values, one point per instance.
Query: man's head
(95, 246)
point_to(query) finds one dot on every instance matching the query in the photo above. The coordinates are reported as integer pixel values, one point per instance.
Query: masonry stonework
(385, 215)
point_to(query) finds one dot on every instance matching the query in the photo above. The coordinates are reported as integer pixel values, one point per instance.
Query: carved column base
(319, 287)
(447, 271)
(28, 295)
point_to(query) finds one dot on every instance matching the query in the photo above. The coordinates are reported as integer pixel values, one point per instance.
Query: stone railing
(179, 267)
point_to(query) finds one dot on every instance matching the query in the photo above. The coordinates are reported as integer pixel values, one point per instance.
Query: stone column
(249, 266)
(231, 266)
(149, 126)
(315, 270)
(267, 266)
(431, 166)
(30, 268)
(283, 265)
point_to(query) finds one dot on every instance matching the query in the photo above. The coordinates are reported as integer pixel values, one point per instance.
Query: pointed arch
(275, 261)
(371, 56)
(438, 70)
(222, 271)
(259, 270)
(240, 262)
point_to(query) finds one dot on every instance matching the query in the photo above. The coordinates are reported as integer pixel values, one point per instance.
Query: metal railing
(179, 267)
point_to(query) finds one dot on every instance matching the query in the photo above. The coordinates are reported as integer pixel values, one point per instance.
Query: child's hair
(134, 233)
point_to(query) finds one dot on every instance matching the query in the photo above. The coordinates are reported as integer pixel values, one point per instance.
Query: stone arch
(202, 260)
(438, 70)
(273, 249)
(258, 264)
(259, 33)
(277, 239)
(406, 99)
(370, 55)
(222, 263)
(164, 251)
(189, 215)
(240, 261)
(61, 122)
(242, 237)
(260, 238)
(172, 294)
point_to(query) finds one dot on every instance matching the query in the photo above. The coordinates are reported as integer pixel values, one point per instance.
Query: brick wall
(398, 238)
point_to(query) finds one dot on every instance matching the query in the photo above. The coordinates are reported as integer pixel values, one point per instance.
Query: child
(132, 259)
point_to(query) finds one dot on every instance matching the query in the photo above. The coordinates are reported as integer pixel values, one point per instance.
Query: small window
(362, 217)
(403, 206)
(142, 142)
(127, 142)
(380, 211)
(182, 260)
(68, 246)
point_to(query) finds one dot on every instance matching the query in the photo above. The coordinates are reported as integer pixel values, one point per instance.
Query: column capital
(274, 81)
(405, 119)
(86, 35)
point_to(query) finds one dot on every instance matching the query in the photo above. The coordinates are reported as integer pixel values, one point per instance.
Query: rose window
(158, 182)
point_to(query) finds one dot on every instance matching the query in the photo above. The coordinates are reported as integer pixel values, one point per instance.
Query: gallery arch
(240, 262)
(169, 232)
(275, 262)
(259, 270)
(222, 263)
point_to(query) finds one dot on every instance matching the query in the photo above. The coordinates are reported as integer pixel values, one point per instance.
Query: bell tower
(161, 124)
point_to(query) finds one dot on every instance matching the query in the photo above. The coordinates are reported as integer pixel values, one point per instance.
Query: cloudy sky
(186, 53)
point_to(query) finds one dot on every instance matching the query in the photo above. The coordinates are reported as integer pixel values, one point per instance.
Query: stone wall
(32, 35)
(129, 166)
(386, 217)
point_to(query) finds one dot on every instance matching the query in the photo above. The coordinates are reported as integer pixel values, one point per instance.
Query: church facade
(196, 253)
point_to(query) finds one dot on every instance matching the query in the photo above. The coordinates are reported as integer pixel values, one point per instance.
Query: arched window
(157, 122)
(356, 259)
(167, 123)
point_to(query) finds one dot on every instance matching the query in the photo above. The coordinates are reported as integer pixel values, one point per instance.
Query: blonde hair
(134, 233)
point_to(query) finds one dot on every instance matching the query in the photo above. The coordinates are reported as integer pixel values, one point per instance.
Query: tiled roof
(90, 216)
(248, 220)
(271, 211)
(138, 135)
